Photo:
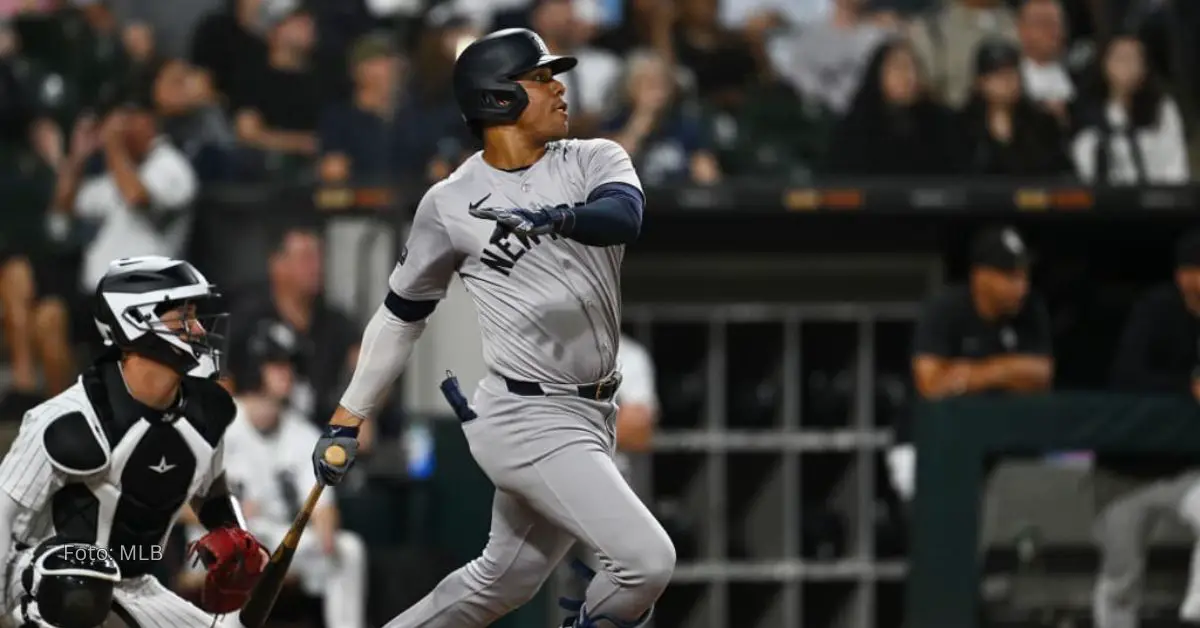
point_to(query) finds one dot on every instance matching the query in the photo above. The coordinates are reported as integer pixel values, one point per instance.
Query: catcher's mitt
(234, 560)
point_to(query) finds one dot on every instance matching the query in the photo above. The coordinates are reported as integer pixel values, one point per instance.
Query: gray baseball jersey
(549, 307)
(549, 311)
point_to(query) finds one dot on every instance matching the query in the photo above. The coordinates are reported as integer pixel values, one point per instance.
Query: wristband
(563, 220)
(341, 431)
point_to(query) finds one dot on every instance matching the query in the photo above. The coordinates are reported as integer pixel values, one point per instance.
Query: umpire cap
(484, 74)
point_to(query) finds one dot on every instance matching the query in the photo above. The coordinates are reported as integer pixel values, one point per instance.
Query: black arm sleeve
(612, 216)
(1133, 368)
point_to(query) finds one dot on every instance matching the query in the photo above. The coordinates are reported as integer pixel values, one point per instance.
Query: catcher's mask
(162, 309)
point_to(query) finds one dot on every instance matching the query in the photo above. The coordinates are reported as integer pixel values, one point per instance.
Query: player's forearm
(219, 508)
(386, 346)
(612, 216)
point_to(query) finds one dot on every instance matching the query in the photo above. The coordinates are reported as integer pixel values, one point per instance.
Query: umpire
(1158, 354)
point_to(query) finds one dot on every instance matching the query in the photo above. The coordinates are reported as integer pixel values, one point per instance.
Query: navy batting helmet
(485, 71)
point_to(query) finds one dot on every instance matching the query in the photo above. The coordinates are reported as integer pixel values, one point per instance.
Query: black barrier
(954, 436)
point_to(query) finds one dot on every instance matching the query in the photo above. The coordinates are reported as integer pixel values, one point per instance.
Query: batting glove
(343, 436)
(526, 222)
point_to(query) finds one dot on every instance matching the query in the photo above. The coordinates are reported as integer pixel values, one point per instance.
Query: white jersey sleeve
(428, 260)
(26, 473)
(637, 375)
(604, 161)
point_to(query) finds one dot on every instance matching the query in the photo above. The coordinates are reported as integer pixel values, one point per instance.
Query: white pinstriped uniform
(30, 478)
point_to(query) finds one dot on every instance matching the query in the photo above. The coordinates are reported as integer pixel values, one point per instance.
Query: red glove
(234, 560)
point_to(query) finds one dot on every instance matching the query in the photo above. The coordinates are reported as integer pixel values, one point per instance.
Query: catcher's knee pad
(69, 585)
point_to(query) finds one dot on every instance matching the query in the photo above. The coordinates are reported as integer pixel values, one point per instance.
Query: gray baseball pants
(1122, 531)
(551, 459)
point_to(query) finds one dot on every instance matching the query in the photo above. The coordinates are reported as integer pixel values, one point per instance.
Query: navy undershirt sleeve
(408, 310)
(611, 216)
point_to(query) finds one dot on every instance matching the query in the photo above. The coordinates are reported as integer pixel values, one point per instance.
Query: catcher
(98, 475)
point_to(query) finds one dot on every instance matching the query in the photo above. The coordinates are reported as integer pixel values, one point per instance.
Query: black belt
(602, 390)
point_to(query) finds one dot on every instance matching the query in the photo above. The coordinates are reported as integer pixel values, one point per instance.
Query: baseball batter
(535, 225)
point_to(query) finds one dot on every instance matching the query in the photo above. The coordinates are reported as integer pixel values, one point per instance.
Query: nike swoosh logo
(479, 202)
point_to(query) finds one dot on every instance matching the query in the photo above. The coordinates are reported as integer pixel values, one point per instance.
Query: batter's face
(546, 115)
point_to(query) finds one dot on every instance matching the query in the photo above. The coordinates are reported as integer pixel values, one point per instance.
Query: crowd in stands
(116, 114)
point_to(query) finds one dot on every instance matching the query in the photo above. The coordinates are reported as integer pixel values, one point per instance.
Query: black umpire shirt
(950, 328)
(1159, 353)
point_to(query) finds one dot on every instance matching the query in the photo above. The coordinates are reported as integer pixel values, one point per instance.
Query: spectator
(663, 134)
(27, 124)
(102, 68)
(268, 462)
(1006, 133)
(327, 340)
(225, 41)
(1132, 131)
(721, 61)
(988, 337)
(138, 206)
(35, 330)
(637, 399)
(137, 38)
(358, 140)
(593, 80)
(1043, 72)
(1157, 354)
(946, 39)
(198, 128)
(644, 24)
(893, 128)
(824, 60)
(431, 130)
(277, 103)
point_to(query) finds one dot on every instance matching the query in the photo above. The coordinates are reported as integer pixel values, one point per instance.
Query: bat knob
(335, 456)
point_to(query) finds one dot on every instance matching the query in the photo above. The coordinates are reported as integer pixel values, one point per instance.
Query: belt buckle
(607, 386)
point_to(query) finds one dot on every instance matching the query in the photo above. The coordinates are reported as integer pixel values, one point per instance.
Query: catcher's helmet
(484, 73)
(137, 291)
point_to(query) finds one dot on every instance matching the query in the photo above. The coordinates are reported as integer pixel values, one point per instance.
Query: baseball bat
(262, 599)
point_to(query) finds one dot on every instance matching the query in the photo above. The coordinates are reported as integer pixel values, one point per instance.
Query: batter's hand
(527, 222)
(342, 436)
